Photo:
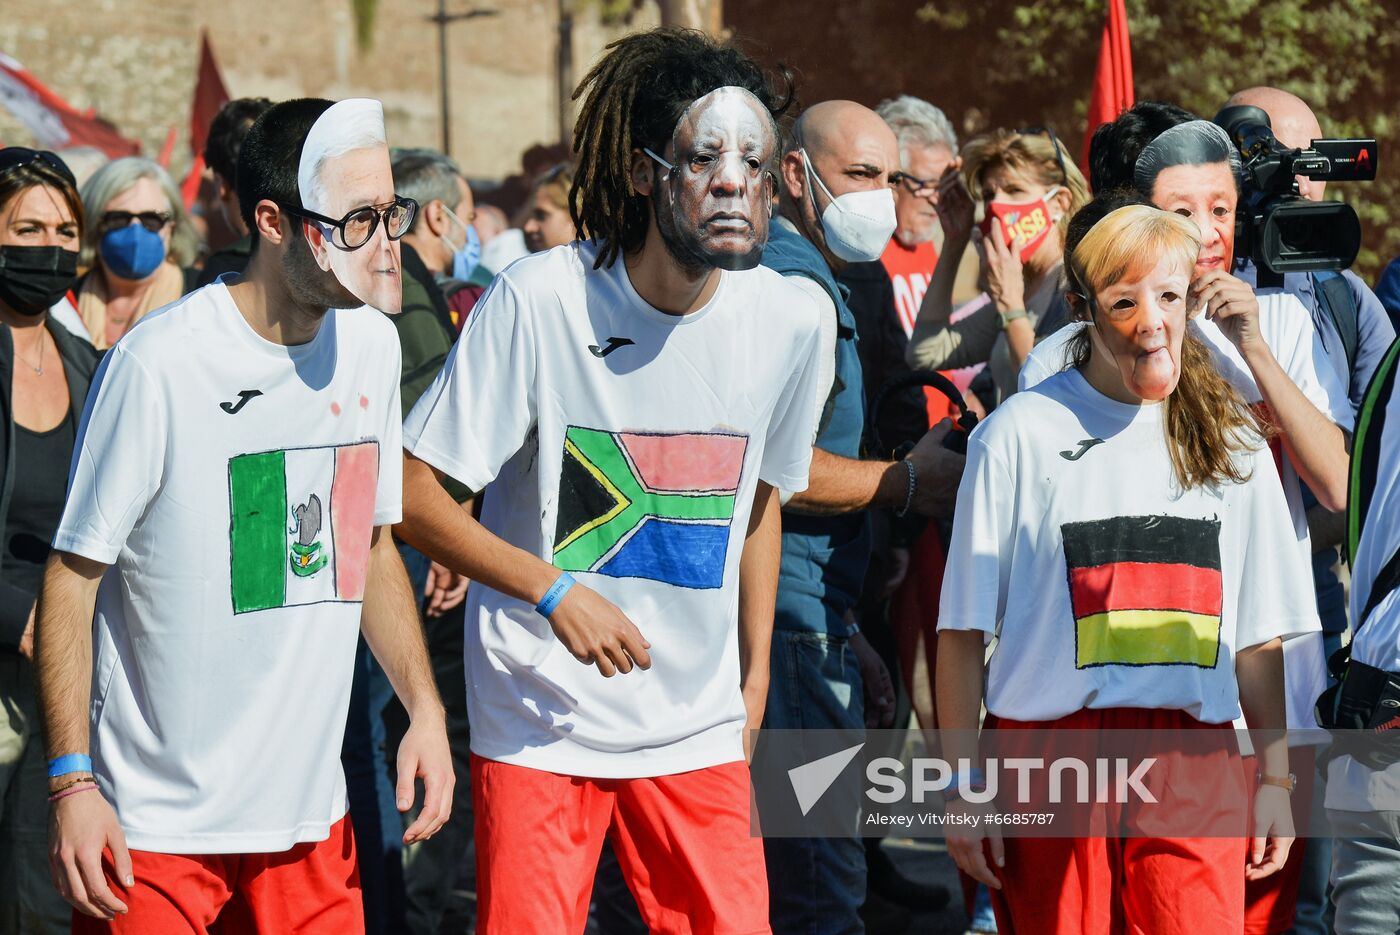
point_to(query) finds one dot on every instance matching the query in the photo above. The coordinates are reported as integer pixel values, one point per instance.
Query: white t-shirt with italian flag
(232, 485)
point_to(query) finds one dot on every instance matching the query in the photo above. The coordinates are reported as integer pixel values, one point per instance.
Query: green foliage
(364, 12)
(1341, 56)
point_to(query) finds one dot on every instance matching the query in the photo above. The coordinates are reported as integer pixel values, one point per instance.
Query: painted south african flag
(1146, 590)
(648, 505)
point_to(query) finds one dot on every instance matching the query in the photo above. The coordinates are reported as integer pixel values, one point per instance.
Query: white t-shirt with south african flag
(623, 445)
(232, 485)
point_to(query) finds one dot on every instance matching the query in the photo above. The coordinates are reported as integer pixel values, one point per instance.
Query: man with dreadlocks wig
(630, 403)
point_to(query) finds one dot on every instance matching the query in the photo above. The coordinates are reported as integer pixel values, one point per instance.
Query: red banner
(54, 123)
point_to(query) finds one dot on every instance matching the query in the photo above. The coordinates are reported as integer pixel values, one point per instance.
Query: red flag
(167, 150)
(189, 188)
(1113, 81)
(210, 96)
(54, 123)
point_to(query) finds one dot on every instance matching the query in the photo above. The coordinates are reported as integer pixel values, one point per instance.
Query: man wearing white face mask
(836, 207)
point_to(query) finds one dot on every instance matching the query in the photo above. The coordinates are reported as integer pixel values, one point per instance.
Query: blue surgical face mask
(132, 252)
(466, 257)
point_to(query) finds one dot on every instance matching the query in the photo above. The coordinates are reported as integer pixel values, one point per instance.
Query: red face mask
(1025, 225)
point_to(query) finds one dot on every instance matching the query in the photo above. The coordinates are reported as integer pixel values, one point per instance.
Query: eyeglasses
(355, 229)
(1054, 144)
(153, 221)
(13, 157)
(912, 183)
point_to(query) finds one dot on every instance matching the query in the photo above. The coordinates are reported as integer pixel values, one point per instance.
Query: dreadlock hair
(634, 98)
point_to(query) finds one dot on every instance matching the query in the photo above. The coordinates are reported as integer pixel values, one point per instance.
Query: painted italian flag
(300, 524)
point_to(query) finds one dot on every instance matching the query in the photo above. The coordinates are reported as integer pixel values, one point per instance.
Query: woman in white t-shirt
(1116, 530)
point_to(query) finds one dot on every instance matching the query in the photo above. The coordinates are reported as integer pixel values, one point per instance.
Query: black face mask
(34, 278)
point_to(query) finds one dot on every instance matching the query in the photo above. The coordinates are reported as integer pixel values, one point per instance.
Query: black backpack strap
(1334, 294)
(1386, 581)
(1366, 446)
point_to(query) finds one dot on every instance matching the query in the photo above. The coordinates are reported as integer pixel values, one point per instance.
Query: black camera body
(1276, 227)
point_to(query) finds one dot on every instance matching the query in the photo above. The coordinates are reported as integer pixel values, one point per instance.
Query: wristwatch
(1006, 318)
(1289, 782)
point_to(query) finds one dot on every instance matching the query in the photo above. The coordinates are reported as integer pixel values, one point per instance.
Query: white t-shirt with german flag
(233, 486)
(622, 445)
(1107, 585)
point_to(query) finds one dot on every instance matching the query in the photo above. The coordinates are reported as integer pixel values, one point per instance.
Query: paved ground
(920, 860)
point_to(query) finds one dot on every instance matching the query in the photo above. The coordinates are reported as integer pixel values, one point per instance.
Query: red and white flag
(53, 121)
(1113, 81)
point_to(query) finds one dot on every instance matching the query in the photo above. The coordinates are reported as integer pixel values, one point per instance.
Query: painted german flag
(1145, 590)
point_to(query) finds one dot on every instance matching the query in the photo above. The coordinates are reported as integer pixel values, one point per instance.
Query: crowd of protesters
(276, 568)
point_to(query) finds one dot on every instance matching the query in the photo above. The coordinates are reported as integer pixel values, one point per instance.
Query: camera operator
(1355, 332)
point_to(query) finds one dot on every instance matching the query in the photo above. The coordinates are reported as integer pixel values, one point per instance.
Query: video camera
(1279, 229)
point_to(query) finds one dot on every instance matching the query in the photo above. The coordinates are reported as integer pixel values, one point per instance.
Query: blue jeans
(431, 868)
(983, 918)
(1366, 872)
(1315, 909)
(370, 788)
(816, 885)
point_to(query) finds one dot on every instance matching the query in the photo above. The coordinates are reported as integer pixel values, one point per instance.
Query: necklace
(39, 370)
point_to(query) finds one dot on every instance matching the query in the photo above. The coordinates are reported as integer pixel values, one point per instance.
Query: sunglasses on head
(13, 157)
(153, 221)
(1054, 144)
(357, 227)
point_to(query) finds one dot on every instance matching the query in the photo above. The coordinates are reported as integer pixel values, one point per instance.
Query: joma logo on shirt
(243, 396)
(612, 345)
(1084, 446)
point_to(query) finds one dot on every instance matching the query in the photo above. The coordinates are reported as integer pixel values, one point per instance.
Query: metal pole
(442, 76)
(564, 70)
(443, 18)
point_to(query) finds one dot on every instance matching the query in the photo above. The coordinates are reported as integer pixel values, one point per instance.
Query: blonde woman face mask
(1138, 325)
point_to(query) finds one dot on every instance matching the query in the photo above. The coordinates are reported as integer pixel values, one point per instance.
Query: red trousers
(683, 842)
(1120, 885)
(312, 889)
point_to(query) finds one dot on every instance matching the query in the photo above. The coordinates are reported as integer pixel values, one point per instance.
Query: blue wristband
(972, 779)
(555, 594)
(70, 763)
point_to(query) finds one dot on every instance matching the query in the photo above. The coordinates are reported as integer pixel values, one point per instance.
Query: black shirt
(41, 481)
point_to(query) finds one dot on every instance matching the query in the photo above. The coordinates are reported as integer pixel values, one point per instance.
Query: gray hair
(425, 175)
(116, 178)
(348, 125)
(916, 121)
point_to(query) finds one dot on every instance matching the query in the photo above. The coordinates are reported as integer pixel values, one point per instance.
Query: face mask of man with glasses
(353, 218)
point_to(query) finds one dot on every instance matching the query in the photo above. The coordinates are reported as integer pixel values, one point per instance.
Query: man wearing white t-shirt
(237, 464)
(630, 405)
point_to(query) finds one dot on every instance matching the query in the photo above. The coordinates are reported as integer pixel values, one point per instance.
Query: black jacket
(904, 415)
(79, 363)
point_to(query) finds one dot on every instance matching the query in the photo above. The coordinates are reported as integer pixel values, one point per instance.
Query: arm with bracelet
(81, 825)
(594, 630)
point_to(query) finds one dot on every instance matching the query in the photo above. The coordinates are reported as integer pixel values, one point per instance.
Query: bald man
(836, 207)
(1355, 332)
(1293, 123)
